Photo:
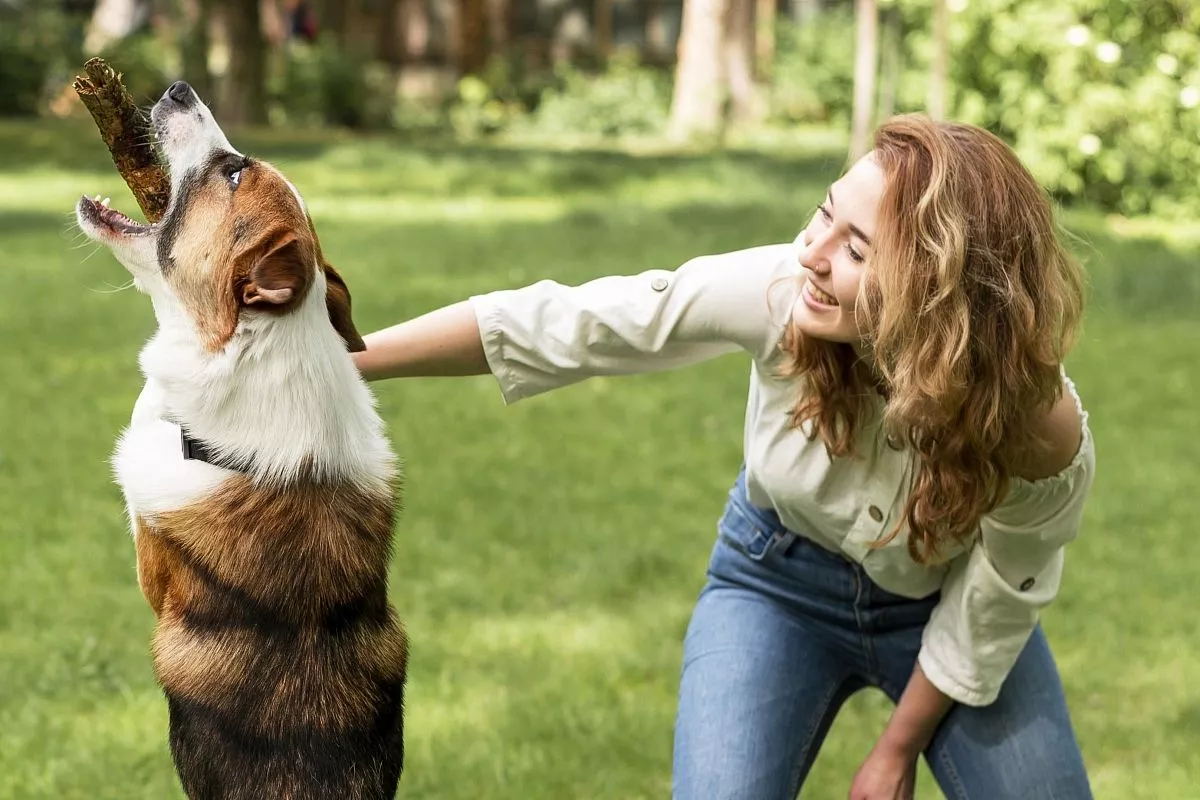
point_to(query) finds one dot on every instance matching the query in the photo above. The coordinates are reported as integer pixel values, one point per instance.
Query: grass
(550, 552)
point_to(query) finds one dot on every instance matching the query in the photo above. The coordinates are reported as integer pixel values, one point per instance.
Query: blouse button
(1027, 584)
(658, 284)
(875, 513)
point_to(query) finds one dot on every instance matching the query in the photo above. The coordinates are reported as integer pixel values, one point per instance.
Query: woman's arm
(917, 715)
(441, 343)
(890, 770)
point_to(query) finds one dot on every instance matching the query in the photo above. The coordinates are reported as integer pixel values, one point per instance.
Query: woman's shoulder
(1057, 475)
(749, 294)
(1057, 435)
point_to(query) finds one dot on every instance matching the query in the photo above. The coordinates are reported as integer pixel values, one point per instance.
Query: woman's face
(835, 250)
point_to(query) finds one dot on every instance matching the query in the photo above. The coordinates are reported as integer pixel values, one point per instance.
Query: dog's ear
(337, 301)
(279, 275)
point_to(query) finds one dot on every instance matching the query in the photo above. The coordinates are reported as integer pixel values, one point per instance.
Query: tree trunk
(738, 49)
(697, 98)
(194, 43)
(415, 30)
(472, 26)
(865, 65)
(764, 40)
(389, 46)
(937, 71)
(502, 19)
(603, 27)
(890, 63)
(113, 20)
(657, 47)
(333, 17)
(243, 97)
(805, 11)
(274, 23)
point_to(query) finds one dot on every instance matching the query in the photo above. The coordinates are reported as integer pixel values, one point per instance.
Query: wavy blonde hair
(968, 306)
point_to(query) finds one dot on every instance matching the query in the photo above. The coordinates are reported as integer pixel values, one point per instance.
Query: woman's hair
(967, 308)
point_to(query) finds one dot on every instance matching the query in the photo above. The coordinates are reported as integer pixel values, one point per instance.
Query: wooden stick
(126, 134)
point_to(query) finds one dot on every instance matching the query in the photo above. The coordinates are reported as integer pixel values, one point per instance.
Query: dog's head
(236, 242)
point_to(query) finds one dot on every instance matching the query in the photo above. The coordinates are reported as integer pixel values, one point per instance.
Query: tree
(764, 39)
(891, 64)
(938, 67)
(194, 45)
(603, 26)
(243, 90)
(473, 38)
(865, 65)
(697, 97)
(804, 11)
(738, 56)
(113, 20)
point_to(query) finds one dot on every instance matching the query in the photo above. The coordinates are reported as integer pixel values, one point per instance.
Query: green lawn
(550, 552)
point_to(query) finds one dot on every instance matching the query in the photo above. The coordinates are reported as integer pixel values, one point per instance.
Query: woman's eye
(824, 212)
(855, 256)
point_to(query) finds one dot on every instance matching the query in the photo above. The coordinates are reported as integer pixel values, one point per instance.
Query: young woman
(915, 462)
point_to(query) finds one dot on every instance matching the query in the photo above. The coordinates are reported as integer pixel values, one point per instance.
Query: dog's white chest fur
(283, 396)
(149, 466)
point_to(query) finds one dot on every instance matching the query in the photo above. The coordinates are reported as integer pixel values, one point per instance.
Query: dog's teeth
(106, 201)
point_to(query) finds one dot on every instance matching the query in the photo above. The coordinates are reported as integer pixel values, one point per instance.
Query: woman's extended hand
(887, 774)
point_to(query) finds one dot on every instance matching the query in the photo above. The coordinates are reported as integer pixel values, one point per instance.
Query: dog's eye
(235, 178)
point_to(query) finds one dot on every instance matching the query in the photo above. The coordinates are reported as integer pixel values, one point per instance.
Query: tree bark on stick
(126, 135)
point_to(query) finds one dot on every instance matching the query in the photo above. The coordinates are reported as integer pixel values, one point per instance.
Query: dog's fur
(281, 660)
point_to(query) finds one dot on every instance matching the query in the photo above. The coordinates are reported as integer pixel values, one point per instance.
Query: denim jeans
(785, 631)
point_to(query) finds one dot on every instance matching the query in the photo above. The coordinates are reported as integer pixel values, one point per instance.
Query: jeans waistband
(770, 523)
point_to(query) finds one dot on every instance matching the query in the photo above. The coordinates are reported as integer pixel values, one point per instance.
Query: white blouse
(548, 335)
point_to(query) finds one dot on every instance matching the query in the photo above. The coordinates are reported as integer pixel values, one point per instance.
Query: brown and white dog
(259, 484)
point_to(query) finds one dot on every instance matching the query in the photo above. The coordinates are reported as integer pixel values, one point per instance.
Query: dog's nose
(180, 92)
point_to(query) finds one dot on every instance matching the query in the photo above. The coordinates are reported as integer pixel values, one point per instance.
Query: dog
(260, 487)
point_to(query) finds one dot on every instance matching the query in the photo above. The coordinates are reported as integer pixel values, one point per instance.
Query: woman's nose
(812, 255)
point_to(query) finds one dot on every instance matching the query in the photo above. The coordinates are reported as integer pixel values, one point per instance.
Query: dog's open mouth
(98, 213)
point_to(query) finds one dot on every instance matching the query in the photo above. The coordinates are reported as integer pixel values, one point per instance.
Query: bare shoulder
(1059, 431)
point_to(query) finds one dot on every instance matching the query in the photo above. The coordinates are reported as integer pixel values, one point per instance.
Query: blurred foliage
(813, 78)
(323, 84)
(38, 45)
(625, 98)
(147, 65)
(620, 98)
(480, 109)
(1100, 98)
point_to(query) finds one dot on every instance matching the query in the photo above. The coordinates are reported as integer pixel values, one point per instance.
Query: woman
(915, 462)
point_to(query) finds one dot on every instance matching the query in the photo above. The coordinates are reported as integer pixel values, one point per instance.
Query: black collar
(197, 450)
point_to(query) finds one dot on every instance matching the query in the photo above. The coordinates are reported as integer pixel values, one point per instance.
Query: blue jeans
(785, 631)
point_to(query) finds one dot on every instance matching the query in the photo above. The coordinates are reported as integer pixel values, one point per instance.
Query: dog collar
(196, 450)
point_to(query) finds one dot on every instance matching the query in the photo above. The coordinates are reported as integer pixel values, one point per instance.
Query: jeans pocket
(744, 534)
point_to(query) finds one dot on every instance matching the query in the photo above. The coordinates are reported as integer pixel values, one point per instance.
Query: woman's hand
(889, 773)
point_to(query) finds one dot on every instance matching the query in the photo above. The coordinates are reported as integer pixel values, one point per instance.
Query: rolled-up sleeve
(992, 595)
(549, 335)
